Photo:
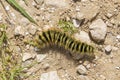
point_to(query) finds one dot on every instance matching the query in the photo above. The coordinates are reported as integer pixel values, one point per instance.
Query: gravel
(88, 16)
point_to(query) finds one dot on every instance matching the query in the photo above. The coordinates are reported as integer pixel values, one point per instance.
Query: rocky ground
(98, 22)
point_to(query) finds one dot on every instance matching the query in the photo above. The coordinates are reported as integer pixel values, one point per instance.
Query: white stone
(57, 3)
(108, 48)
(102, 77)
(41, 57)
(50, 76)
(39, 1)
(82, 77)
(26, 56)
(13, 15)
(32, 29)
(33, 3)
(98, 30)
(7, 8)
(109, 24)
(81, 70)
(117, 67)
(84, 0)
(19, 30)
(109, 15)
(114, 48)
(83, 36)
(76, 22)
(118, 37)
(46, 66)
(24, 21)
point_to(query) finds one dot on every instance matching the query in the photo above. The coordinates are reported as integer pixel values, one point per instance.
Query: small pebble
(118, 37)
(114, 48)
(7, 8)
(19, 30)
(24, 21)
(76, 22)
(57, 3)
(81, 70)
(109, 15)
(84, 0)
(50, 76)
(26, 56)
(41, 57)
(82, 77)
(108, 49)
(109, 24)
(32, 29)
(39, 1)
(102, 77)
(46, 66)
(118, 68)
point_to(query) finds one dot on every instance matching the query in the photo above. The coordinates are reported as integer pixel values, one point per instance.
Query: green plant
(10, 68)
(67, 26)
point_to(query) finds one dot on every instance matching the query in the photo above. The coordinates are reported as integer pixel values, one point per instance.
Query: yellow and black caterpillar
(62, 39)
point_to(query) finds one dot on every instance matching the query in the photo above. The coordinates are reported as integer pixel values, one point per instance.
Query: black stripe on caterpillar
(62, 39)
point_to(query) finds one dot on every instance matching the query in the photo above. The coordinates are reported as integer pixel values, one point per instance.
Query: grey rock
(40, 57)
(57, 3)
(50, 76)
(81, 70)
(98, 30)
(108, 48)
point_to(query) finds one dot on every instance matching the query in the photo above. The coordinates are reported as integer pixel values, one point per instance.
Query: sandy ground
(104, 67)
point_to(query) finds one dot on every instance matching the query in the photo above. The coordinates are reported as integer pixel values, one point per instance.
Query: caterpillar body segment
(62, 39)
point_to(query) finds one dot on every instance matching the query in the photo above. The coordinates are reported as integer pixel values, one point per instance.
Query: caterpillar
(62, 39)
